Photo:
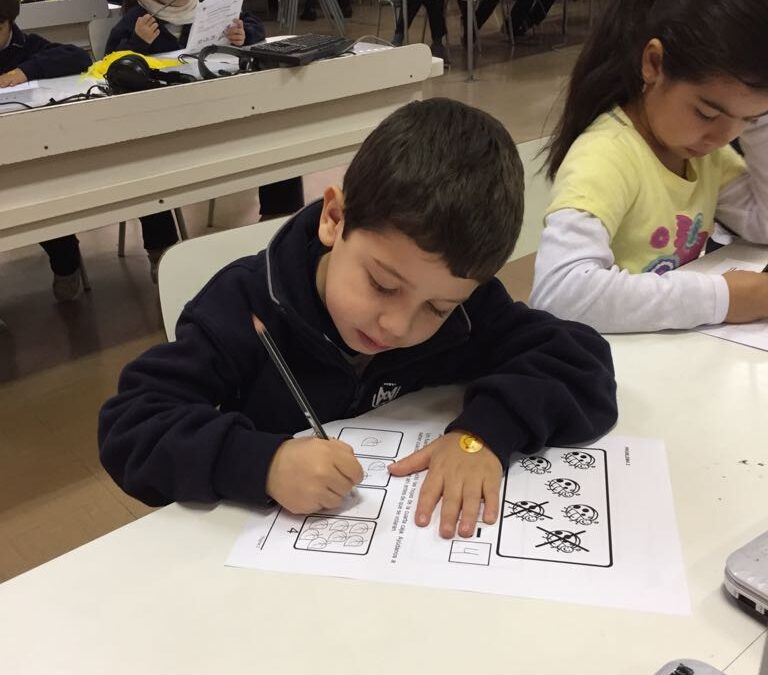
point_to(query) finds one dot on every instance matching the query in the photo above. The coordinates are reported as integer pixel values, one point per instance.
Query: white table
(83, 165)
(154, 597)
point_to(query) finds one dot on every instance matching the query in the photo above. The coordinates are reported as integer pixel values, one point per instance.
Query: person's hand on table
(463, 472)
(311, 474)
(12, 78)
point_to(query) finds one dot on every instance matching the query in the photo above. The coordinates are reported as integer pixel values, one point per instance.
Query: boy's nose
(395, 326)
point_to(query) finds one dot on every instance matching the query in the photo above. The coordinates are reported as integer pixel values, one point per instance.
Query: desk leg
(405, 22)
(471, 39)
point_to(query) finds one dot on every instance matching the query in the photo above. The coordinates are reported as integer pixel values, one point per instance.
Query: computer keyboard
(301, 49)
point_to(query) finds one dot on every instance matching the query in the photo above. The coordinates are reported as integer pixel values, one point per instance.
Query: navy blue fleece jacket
(39, 59)
(202, 417)
(124, 37)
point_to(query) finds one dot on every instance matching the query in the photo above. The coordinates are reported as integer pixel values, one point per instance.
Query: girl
(642, 167)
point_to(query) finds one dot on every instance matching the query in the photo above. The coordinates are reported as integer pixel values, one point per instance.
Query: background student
(643, 167)
(436, 14)
(25, 57)
(377, 290)
(166, 31)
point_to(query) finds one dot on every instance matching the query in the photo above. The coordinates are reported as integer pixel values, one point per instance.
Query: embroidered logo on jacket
(387, 392)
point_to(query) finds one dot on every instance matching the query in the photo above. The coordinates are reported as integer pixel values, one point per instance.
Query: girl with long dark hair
(642, 167)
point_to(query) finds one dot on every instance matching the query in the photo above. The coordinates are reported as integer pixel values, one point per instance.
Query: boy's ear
(332, 216)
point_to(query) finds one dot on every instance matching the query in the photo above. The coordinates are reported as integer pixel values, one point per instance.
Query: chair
(98, 34)
(181, 225)
(397, 6)
(288, 12)
(187, 267)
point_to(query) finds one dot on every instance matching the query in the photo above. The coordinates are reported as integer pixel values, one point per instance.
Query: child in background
(643, 167)
(377, 290)
(168, 31)
(156, 26)
(25, 57)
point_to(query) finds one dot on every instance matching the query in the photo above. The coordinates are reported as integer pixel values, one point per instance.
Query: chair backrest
(98, 34)
(538, 193)
(186, 267)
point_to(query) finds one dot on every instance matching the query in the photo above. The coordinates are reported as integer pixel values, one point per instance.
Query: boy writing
(380, 289)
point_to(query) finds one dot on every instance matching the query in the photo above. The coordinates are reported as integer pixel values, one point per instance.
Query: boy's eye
(440, 313)
(704, 116)
(379, 288)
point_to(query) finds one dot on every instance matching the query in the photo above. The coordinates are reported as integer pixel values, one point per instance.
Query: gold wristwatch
(471, 444)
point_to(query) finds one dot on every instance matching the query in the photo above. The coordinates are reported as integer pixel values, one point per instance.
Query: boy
(380, 289)
(25, 57)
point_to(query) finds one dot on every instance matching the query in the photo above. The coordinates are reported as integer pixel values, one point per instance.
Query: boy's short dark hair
(9, 10)
(446, 175)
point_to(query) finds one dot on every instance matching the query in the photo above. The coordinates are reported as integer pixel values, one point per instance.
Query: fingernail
(421, 519)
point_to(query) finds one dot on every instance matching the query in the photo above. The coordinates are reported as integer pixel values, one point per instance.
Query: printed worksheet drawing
(592, 525)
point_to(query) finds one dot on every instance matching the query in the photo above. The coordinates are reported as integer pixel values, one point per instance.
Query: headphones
(133, 73)
(248, 62)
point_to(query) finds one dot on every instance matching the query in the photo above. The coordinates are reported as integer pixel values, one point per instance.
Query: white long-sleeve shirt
(577, 275)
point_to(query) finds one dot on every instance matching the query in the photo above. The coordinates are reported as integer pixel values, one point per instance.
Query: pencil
(288, 377)
(167, 4)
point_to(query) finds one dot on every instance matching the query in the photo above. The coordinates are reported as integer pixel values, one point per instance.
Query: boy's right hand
(748, 296)
(310, 474)
(146, 28)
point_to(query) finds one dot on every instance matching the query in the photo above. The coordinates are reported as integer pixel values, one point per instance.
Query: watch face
(470, 443)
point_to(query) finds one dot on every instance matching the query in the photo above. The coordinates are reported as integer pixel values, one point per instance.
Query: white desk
(84, 165)
(63, 21)
(155, 597)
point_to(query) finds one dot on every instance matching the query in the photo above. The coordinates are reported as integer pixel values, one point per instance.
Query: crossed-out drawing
(563, 487)
(530, 512)
(562, 540)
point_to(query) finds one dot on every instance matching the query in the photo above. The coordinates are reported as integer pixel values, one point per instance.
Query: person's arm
(576, 278)
(163, 439)
(742, 204)
(534, 380)
(254, 28)
(53, 60)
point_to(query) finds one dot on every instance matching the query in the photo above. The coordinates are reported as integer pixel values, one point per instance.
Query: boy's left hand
(236, 33)
(12, 78)
(461, 478)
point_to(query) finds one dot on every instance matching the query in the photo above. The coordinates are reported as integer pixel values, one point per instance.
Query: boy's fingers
(428, 498)
(330, 500)
(349, 466)
(470, 509)
(491, 496)
(418, 461)
(449, 512)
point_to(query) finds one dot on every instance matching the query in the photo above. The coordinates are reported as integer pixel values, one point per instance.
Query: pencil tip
(257, 324)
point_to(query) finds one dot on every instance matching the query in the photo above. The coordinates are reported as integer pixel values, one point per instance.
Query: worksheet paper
(593, 525)
(19, 92)
(212, 19)
(751, 334)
